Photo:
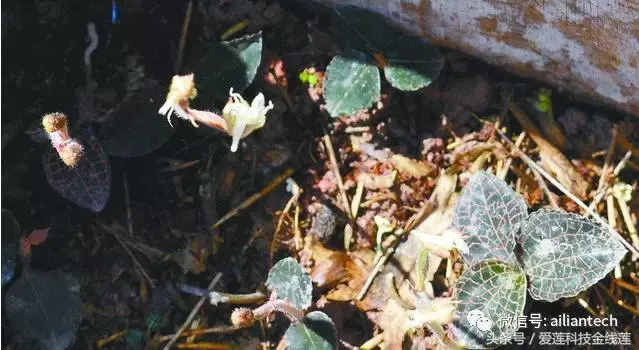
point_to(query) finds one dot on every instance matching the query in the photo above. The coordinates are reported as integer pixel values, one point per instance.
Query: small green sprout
(307, 76)
(543, 103)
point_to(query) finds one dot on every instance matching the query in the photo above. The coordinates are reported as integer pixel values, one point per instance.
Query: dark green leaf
(412, 63)
(491, 297)
(563, 254)
(88, 184)
(135, 128)
(289, 281)
(362, 29)
(228, 64)
(352, 83)
(489, 213)
(316, 332)
(45, 307)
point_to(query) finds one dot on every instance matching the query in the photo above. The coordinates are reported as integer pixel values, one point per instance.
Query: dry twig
(136, 262)
(191, 316)
(184, 33)
(254, 198)
(200, 332)
(531, 163)
(340, 183)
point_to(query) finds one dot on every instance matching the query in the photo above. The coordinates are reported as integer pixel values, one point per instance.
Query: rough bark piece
(588, 47)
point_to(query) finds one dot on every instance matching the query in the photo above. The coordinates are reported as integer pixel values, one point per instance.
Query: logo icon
(477, 319)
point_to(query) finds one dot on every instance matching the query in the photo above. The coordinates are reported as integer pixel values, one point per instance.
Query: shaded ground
(172, 211)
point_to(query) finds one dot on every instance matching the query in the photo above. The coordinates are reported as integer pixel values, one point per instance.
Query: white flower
(622, 191)
(441, 245)
(242, 118)
(177, 100)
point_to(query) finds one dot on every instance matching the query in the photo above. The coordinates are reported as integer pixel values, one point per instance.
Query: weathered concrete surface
(587, 47)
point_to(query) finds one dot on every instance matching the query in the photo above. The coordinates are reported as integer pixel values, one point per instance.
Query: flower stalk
(245, 317)
(57, 128)
(239, 118)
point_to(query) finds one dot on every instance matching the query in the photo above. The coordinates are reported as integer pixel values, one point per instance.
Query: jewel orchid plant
(239, 118)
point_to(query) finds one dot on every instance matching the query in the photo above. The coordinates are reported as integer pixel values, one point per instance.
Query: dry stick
(544, 187)
(611, 210)
(619, 302)
(346, 204)
(602, 192)
(531, 163)
(280, 222)
(202, 346)
(194, 311)
(355, 204)
(540, 179)
(103, 342)
(378, 267)
(340, 184)
(601, 187)
(200, 332)
(357, 199)
(506, 167)
(136, 262)
(625, 214)
(409, 226)
(622, 163)
(356, 129)
(254, 198)
(623, 284)
(373, 342)
(185, 31)
(237, 299)
(607, 160)
(127, 203)
(299, 242)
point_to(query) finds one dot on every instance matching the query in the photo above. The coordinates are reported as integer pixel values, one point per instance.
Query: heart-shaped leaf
(88, 184)
(363, 29)
(289, 281)
(45, 307)
(228, 64)
(352, 83)
(489, 213)
(564, 253)
(412, 63)
(135, 128)
(491, 297)
(316, 332)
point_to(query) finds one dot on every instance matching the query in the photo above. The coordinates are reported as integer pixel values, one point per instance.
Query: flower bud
(242, 317)
(70, 153)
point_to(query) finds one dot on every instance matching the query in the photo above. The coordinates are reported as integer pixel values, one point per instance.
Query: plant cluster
(562, 254)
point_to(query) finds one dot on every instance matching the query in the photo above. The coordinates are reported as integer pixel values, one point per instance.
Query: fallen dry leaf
(378, 182)
(411, 167)
(551, 157)
(441, 218)
(465, 154)
(395, 323)
(328, 265)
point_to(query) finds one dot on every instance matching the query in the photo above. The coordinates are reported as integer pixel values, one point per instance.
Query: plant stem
(294, 314)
